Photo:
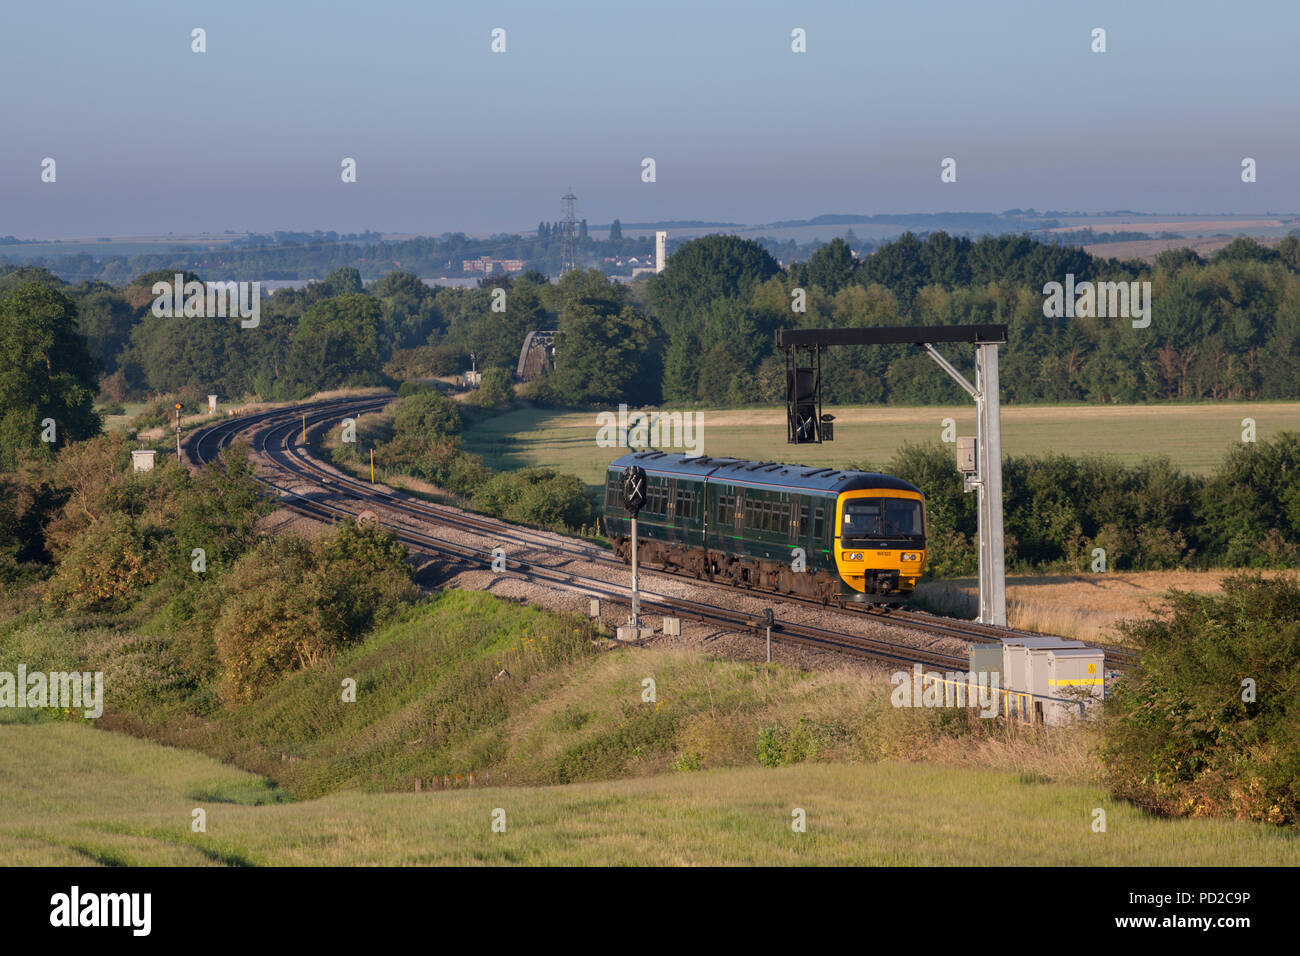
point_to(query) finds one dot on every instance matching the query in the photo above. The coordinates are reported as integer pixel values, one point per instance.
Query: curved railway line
(274, 434)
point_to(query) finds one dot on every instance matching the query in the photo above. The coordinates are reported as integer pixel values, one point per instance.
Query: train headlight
(911, 556)
(852, 555)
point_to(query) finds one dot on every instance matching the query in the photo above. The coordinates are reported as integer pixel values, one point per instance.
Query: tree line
(702, 332)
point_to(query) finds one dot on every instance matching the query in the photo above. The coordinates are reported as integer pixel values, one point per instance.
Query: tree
(1245, 248)
(705, 269)
(897, 265)
(106, 319)
(1289, 250)
(336, 344)
(615, 231)
(1171, 260)
(47, 373)
(177, 352)
(831, 267)
(409, 316)
(344, 281)
(604, 357)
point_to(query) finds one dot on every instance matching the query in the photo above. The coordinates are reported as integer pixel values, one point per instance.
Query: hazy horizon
(151, 138)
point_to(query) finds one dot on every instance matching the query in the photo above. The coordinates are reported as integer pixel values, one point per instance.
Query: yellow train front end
(879, 543)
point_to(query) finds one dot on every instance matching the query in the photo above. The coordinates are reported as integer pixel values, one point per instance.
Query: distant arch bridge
(536, 357)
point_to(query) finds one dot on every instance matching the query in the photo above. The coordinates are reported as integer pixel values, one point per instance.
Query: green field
(74, 796)
(1195, 437)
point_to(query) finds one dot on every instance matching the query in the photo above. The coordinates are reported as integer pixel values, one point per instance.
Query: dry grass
(1148, 249)
(1082, 606)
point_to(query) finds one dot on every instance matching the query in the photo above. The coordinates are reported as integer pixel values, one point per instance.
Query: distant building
(142, 459)
(487, 264)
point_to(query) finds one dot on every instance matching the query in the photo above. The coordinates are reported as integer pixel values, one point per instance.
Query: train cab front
(879, 544)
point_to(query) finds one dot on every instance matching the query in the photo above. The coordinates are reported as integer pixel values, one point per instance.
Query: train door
(738, 522)
(706, 513)
(671, 531)
(821, 525)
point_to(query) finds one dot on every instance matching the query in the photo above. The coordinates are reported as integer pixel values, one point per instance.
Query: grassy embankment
(75, 796)
(708, 772)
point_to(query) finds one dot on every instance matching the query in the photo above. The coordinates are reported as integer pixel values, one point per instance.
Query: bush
(1209, 725)
(537, 496)
(496, 387)
(107, 567)
(428, 414)
(407, 389)
(780, 746)
(291, 604)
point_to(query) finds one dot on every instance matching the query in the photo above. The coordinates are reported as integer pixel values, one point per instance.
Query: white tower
(661, 250)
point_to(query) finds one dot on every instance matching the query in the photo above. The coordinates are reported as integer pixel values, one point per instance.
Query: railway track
(273, 435)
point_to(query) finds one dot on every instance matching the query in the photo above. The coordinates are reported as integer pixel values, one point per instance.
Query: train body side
(740, 522)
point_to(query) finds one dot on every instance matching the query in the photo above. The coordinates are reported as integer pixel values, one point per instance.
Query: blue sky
(150, 137)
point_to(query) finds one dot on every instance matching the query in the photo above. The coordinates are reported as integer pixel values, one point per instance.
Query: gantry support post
(993, 574)
(988, 478)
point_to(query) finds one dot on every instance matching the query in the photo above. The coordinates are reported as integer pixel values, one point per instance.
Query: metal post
(178, 432)
(769, 644)
(636, 604)
(988, 478)
(993, 581)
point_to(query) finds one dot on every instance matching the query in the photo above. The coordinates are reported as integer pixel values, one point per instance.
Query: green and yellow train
(862, 534)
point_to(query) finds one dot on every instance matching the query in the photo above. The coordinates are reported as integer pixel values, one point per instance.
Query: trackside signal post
(807, 424)
(633, 491)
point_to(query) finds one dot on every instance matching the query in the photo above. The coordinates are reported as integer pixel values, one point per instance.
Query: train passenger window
(819, 520)
(726, 510)
(656, 499)
(685, 503)
(803, 522)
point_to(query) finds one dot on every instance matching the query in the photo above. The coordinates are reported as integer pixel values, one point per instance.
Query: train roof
(776, 474)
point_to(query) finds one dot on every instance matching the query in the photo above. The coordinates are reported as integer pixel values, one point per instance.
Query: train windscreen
(879, 518)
